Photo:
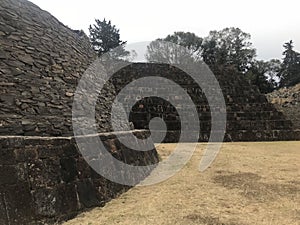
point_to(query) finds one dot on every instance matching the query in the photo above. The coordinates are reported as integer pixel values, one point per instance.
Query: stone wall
(41, 62)
(250, 117)
(287, 101)
(45, 180)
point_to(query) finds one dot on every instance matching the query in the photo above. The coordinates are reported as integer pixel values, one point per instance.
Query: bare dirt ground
(249, 183)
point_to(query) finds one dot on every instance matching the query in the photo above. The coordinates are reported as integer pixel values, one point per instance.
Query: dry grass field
(249, 183)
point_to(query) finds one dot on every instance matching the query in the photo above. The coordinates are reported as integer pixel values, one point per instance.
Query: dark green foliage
(230, 47)
(264, 74)
(229, 51)
(186, 39)
(290, 70)
(104, 37)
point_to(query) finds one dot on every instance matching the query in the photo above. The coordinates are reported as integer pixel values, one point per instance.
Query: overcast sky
(270, 23)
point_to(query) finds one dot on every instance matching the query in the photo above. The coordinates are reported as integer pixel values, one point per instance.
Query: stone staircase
(250, 117)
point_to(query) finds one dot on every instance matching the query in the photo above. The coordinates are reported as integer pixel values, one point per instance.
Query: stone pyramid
(44, 177)
(41, 62)
(250, 117)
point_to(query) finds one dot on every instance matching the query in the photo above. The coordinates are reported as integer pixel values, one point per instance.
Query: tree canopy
(104, 37)
(264, 74)
(290, 69)
(228, 47)
(186, 39)
(163, 50)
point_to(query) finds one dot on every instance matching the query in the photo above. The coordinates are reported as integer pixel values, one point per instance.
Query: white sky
(270, 23)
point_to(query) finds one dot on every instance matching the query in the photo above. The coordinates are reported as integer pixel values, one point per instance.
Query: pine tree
(290, 71)
(104, 37)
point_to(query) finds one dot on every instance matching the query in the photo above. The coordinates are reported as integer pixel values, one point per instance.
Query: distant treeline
(229, 49)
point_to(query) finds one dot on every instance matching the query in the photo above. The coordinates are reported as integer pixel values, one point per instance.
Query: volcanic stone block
(8, 174)
(83, 168)
(18, 203)
(68, 199)
(68, 169)
(44, 173)
(46, 202)
(87, 193)
(25, 154)
(3, 209)
(7, 156)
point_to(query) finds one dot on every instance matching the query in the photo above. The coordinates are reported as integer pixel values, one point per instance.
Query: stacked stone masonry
(287, 101)
(250, 117)
(41, 62)
(44, 180)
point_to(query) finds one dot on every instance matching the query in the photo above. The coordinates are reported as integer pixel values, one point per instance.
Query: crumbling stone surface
(45, 179)
(287, 101)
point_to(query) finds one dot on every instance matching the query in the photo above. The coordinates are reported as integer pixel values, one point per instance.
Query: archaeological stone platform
(44, 178)
(41, 62)
(250, 117)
